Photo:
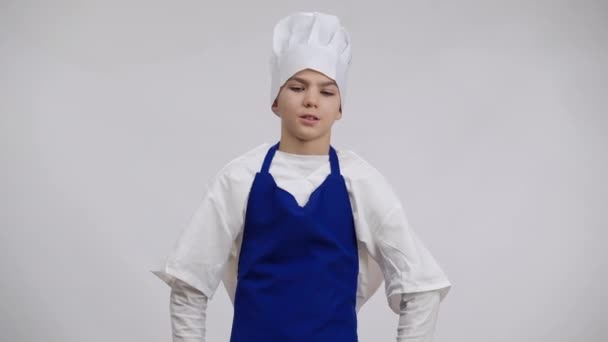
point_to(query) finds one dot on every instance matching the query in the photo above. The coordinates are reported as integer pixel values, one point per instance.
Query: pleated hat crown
(309, 40)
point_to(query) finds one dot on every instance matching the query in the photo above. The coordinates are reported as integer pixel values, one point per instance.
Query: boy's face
(308, 92)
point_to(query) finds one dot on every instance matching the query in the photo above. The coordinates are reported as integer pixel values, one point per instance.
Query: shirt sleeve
(406, 264)
(188, 308)
(418, 316)
(200, 255)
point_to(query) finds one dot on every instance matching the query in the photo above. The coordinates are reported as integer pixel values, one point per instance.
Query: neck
(290, 144)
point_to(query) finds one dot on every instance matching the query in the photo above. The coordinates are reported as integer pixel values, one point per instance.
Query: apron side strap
(268, 158)
(333, 160)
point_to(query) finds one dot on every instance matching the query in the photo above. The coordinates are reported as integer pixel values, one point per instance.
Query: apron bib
(298, 265)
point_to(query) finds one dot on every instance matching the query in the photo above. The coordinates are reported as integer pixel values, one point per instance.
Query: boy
(302, 234)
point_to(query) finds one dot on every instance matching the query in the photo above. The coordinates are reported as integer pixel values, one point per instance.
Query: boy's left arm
(418, 316)
(414, 281)
(415, 284)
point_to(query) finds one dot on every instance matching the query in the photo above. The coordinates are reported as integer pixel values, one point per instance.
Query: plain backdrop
(489, 118)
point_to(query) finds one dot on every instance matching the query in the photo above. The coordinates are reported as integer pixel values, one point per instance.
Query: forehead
(312, 76)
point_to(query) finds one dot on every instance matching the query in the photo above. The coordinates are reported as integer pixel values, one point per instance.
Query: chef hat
(309, 40)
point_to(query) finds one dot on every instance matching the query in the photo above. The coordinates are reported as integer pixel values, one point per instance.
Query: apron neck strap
(333, 159)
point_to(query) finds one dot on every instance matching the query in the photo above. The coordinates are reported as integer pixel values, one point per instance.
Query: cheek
(332, 106)
(289, 102)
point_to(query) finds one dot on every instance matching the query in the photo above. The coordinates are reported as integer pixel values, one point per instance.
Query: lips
(309, 117)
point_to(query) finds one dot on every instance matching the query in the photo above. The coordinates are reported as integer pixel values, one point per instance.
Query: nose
(310, 98)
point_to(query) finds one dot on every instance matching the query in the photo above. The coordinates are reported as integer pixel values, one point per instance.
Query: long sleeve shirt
(207, 251)
(188, 307)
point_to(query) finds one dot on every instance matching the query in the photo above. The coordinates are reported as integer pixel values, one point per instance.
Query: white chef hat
(309, 40)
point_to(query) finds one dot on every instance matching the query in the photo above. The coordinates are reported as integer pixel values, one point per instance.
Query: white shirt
(207, 251)
(188, 307)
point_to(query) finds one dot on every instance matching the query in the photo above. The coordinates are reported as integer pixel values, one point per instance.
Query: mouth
(309, 117)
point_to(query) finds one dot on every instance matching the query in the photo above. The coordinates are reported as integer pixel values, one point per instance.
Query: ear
(275, 108)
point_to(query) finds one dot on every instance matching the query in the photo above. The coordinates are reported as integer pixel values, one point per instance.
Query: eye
(296, 88)
(327, 93)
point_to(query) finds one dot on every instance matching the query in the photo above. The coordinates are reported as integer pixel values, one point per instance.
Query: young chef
(302, 234)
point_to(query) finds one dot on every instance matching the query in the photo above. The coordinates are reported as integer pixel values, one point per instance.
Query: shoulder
(245, 165)
(355, 167)
(248, 162)
(371, 191)
(232, 181)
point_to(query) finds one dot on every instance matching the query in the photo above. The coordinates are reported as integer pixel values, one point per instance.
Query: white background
(490, 119)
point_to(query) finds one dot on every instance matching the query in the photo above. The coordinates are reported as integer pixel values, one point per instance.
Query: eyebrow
(322, 84)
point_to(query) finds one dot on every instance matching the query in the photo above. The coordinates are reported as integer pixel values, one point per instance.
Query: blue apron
(298, 266)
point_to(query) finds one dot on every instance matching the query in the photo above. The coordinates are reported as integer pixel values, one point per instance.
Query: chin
(305, 137)
(304, 133)
(310, 137)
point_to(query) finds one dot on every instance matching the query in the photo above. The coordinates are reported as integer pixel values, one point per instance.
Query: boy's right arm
(188, 307)
(198, 261)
